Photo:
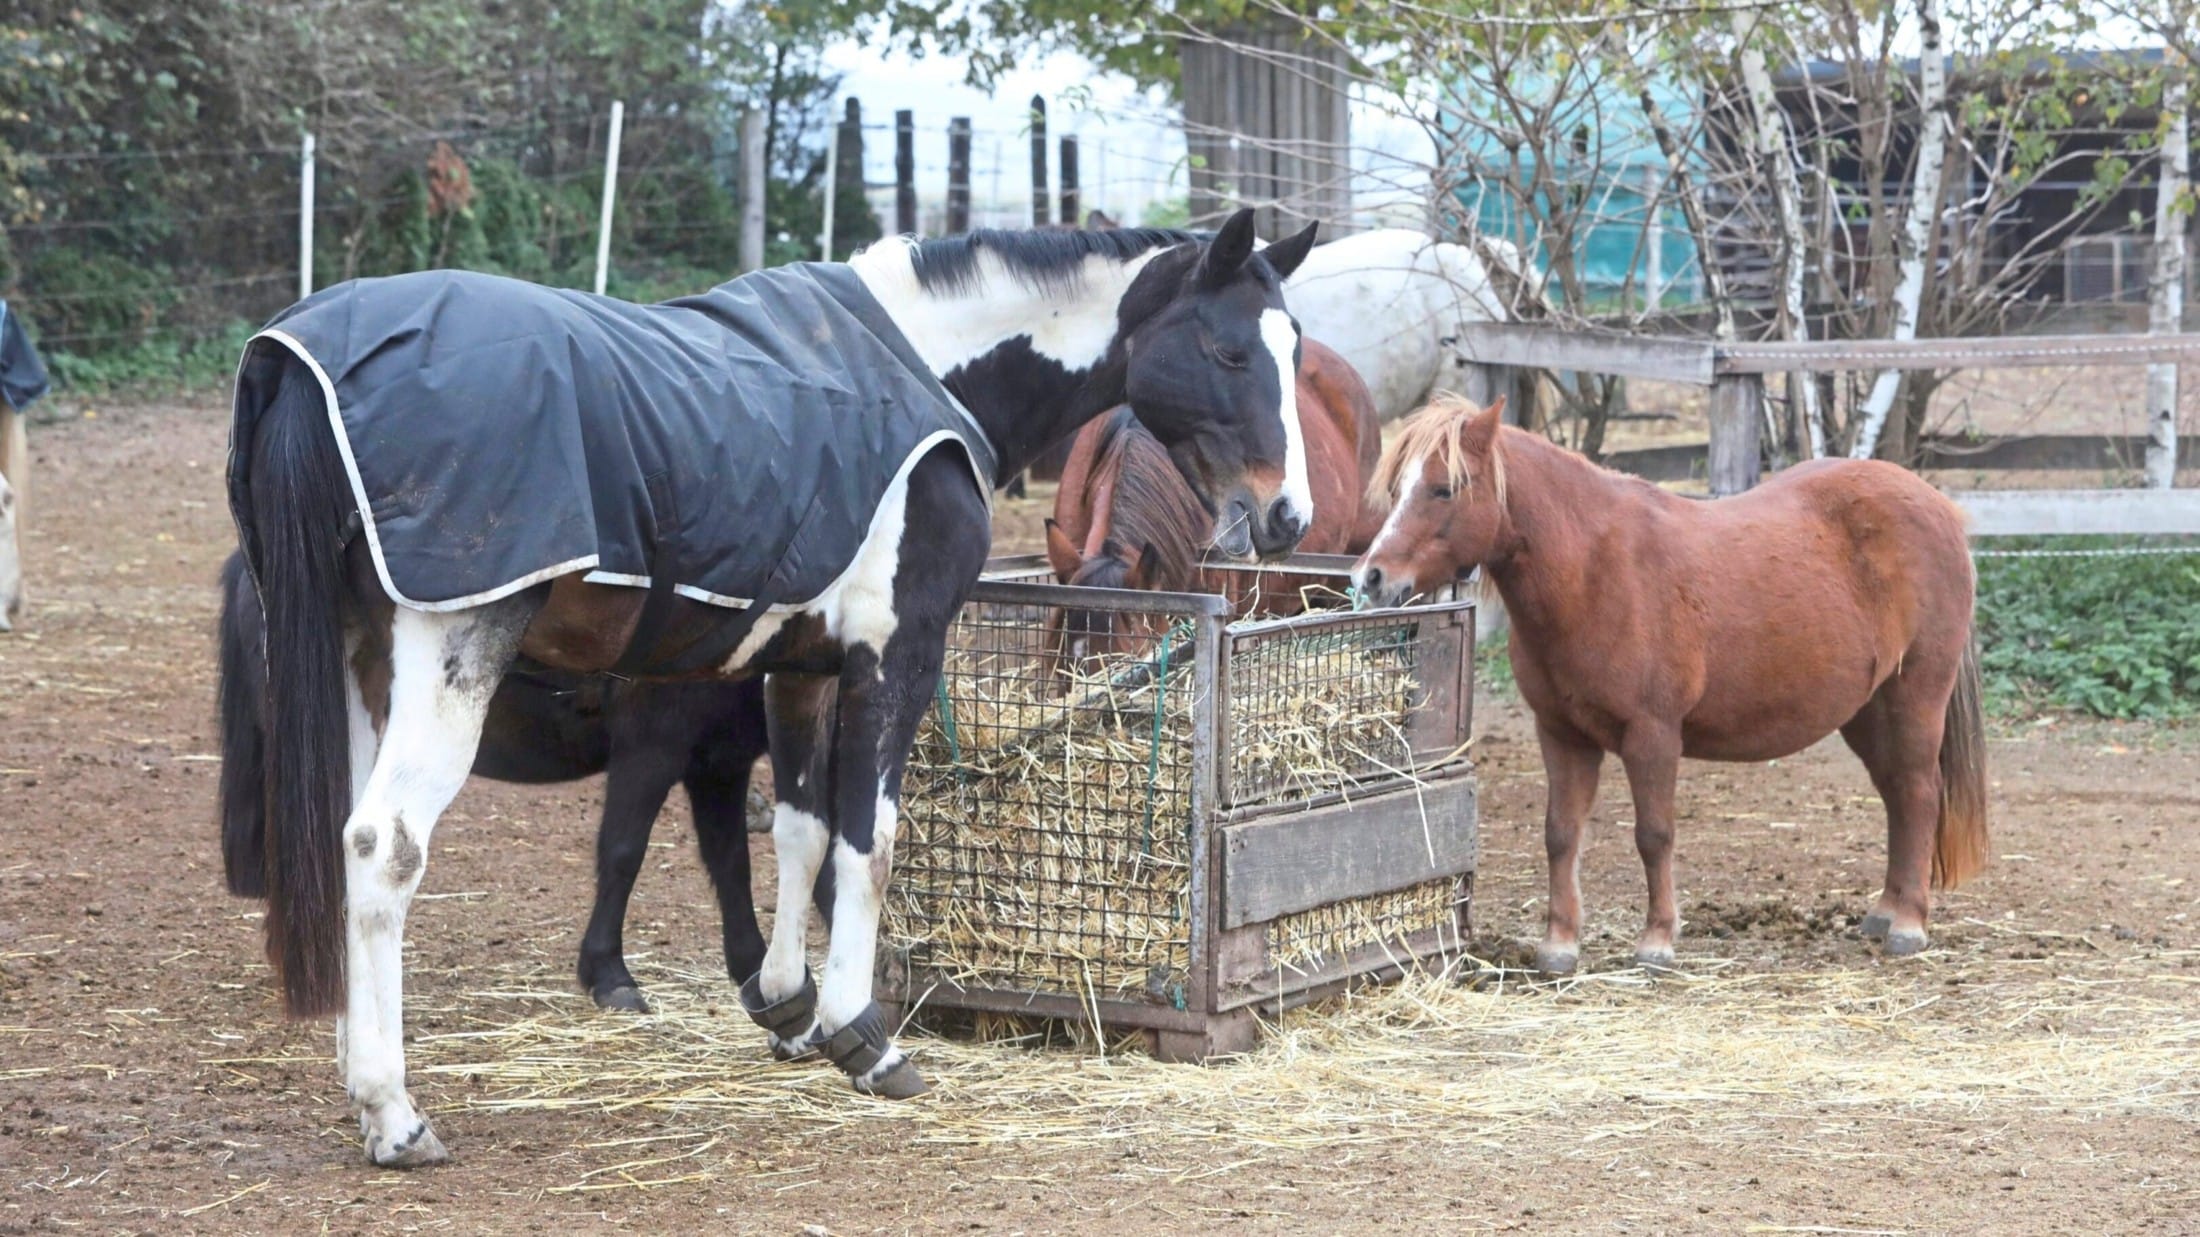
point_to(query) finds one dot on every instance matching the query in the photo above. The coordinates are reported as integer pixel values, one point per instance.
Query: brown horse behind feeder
(1124, 516)
(1835, 596)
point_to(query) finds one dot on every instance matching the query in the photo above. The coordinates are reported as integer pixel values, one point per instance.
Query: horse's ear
(1285, 255)
(1101, 221)
(1227, 252)
(1140, 574)
(1482, 427)
(1061, 554)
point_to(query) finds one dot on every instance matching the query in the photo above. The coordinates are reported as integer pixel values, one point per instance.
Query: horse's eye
(1231, 358)
(1441, 493)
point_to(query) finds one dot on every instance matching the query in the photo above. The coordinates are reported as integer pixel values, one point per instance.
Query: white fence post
(832, 190)
(305, 217)
(610, 190)
(753, 180)
(2166, 298)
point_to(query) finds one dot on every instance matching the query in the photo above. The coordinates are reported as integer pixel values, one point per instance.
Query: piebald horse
(546, 726)
(375, 709)
(1836, 596)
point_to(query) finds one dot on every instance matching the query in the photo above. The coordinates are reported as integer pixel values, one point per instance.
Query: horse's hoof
(625, 996)
(1903, 942)
(902, 1082)
(795, 1049)
(417, 1149)
(1557, 960)
(1656, 958)
(1876, 926)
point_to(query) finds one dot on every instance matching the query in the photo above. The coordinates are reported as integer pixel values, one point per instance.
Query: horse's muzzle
(1381, 589)
(1279, 530)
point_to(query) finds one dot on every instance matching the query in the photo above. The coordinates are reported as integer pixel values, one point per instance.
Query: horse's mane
(1046, 261)
(1438, 430)
(1153, 506)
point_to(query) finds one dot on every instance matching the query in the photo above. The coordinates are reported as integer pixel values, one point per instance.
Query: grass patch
(2113, 635)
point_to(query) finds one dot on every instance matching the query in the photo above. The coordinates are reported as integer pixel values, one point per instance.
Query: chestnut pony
(1124, 516)
(1837, 595)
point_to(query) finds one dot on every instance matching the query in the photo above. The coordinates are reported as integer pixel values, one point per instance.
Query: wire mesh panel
(1048, 810)
(1064, 789)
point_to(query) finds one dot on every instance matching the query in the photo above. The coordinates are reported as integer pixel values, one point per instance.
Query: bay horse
(376, 703)
(545, 726)
(1125, 517)
(1835, 596)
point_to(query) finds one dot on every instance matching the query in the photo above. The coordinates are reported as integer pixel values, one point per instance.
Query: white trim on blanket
(586, 561)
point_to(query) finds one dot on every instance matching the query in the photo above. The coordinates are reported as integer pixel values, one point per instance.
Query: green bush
(2113, 635)
(163, 360)
(91, 302)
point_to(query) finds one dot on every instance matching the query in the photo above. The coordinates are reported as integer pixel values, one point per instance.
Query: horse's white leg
(880, 705)
(364, 740)
(780, 998)
(445, 668)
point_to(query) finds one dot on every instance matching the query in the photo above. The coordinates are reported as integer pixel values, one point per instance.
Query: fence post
(1737, 418)
(832, 188)
(1072, 212)
(958, 176)
(610, 191)
(1485, 383)
(1039, 203)
(905, 172)
(2166, 298)
(753, 181)
(305, 217)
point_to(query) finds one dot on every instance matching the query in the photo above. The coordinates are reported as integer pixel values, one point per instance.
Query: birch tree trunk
(1916, 248)
(1714, 283)
(2166, 298)
(1774, 147)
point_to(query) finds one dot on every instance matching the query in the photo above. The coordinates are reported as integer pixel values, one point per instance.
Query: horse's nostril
(1371, 582)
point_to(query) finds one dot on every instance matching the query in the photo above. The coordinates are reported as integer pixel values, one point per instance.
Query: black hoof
(625, 996)
(1658, 960)
(902, 1082)
(1876, 926)
(1557, 961)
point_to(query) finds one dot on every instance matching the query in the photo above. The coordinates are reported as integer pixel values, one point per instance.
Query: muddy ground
(146, 1083)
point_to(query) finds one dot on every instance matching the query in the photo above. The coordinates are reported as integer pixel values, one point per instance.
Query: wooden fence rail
(1735, 372)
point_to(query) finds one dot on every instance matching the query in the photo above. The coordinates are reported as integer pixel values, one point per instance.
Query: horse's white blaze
(434, 728)
(950, 329)
(859, 892)
(1381, 544)
(799, 839)
(1282, 340)
(11, 561)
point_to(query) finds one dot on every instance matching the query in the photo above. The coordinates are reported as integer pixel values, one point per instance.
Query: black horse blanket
(498, 433)
(22, 374)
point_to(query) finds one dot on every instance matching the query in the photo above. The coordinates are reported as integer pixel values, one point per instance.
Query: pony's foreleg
(1570, 769)
(881, 702)
(782, 998)
(639, 778)
(1653, 761)
(445, 667)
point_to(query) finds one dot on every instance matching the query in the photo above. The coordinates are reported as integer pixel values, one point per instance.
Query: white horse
(1392, 302)
(11, 562)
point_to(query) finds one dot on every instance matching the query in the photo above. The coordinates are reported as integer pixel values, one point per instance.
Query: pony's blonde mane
(1439, 432)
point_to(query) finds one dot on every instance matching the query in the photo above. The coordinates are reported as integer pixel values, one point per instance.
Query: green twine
(947, 723)
(1153, 746)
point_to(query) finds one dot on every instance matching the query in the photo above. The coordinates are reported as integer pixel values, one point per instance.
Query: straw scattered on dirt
(1430, 1059)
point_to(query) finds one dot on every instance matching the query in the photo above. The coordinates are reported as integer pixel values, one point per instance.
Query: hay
(1048, 844)
(1428, 1060)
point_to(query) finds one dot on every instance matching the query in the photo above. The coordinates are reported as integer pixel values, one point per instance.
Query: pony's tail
(1959, 845)
(244, 763)
(298, 500)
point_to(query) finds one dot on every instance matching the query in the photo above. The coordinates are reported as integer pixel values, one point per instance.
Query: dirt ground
(146, 1082)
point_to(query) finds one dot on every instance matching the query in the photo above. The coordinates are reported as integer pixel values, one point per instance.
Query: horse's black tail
(244, 765)
(297, 500)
